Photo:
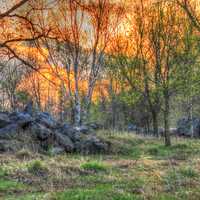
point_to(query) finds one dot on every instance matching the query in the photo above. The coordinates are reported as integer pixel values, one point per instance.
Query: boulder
(29, 108)
(7, 145)
(21, 119)
(9, 132)
(4, 119)
(132, 127)
(173, 131)
(71, 132)
(94, 126)
(82, 129)
(65, 142)
(56, 150)
(41, 132)
(45, 119)
(183, 127)
(91, 145)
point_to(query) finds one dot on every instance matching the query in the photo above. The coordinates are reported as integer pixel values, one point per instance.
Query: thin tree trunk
(77, 108)
(166, 119)
(155, 123)
(191, 119)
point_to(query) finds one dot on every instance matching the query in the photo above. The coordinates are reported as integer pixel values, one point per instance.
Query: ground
(136, 168)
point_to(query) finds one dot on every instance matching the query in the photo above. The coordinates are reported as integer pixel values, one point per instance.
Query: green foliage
(22, 96)
(188, 172)
(8, 186)
(94, 166)
(3, 172)
(37, 167)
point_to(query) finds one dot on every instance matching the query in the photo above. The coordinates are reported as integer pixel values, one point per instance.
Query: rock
(94, 126)
(161, 131)
(65, 142)
(4, 119)
(9, 132)
(45, 119)
(29, 108)
(69, 131)
(91, 145)
(132, 127)
(82, 129)
(6, 145)
(183, 127)
(21, 119)
(56, 150)
(41, 132)
(173, 131)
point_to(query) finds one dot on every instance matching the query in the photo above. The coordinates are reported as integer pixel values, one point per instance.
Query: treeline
(111, 62)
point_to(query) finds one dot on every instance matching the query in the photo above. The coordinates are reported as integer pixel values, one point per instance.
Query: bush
(37, 168)
(153, 151)
(3, 172)
(93, 166)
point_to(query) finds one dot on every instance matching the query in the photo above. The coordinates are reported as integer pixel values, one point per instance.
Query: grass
(99, 192)
(37, 167)
(136, 168)
(23, 154)
(94, 166)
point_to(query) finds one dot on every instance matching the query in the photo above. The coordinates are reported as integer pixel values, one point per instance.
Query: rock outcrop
(184, 127)
(42, 132)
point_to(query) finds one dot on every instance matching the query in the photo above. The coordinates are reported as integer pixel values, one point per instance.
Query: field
(136, 168)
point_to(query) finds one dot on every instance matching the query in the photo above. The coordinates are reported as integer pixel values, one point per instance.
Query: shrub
(153, 151)
(37, 168)
(3, 172)
(93, 166)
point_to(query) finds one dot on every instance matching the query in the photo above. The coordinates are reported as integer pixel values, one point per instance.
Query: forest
(99, 99)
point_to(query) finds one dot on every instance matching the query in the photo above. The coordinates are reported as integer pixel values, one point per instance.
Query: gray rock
(82, 129)
(173, 131)
(183, 127)
(45, 119)
(29, 108)
(65, 142)
(9, 132)
(21, 119)
(95, 126)
(56, 150)
(91, 145)
(4, 119)
(6, 145)
(69, 131)
(132, 127)
(41, 132)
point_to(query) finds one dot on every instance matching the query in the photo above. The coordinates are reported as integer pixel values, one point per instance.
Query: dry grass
(135, 168)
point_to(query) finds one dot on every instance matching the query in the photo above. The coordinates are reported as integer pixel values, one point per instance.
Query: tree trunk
(77, 106)
(191, 119)
(77, 111)
(155, 123)
(166, 119)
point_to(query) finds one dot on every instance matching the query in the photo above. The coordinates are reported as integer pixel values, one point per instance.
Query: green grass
(94, 166)
(136, 168)
(105, 192)
(37, 167)
(189, 172)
